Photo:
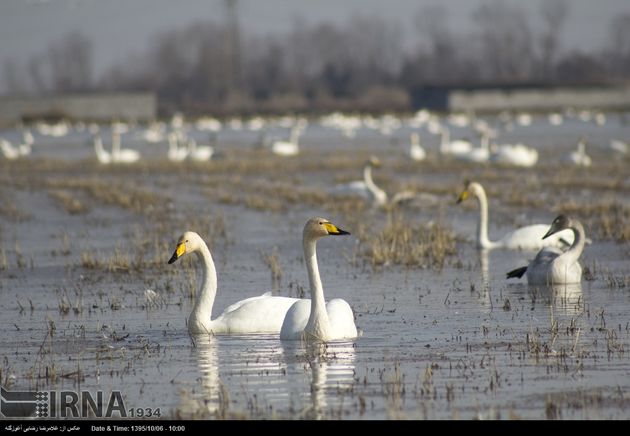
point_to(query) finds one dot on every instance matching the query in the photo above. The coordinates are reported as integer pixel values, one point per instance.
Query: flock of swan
(315, 319)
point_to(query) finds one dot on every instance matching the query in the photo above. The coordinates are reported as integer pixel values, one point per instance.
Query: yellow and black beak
(463, 196)
(334, 230)
(179, 251)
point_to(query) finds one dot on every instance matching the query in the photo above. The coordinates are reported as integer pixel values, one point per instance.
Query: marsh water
(451, 339)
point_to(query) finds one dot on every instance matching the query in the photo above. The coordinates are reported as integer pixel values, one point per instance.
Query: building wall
(492, 100)
(88, 107)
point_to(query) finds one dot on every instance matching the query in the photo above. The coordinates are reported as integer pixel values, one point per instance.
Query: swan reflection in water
(566, 299)
(329, 369)
(258, 376)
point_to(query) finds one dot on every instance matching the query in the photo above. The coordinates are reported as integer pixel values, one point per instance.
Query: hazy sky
(120, 27)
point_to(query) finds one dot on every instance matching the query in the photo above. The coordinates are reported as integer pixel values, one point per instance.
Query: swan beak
(334, 230)
(462, 197)
(551, 231)
(179, 251)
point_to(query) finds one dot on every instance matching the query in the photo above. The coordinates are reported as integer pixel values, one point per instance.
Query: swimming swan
(365, 188)
(552, 266)
(320, 320)
(416, 152)
(524, 238)
(263, 314)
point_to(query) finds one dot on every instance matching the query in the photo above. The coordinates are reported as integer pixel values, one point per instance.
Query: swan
(619, 146)
(523, 238)
(365, 188)
(27, 141)
(262, 314)
(456, 147)
(290, 147)
(551, 266)
(318, 320)
(102, 155)
(122, 155)
(416, 152)
(515, 154)
(200, 153)
(175, 152)
(8, 150)
(478, 154)
(579, 156)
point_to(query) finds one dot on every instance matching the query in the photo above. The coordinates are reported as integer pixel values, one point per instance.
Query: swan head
(561, 222)
(470, 189)
(373, 162)
(316, 228)
(187, 243)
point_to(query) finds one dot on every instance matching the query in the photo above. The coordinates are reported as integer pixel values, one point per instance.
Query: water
(458, 342)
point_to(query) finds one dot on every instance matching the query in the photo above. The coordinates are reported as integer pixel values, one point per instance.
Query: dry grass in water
(273, 263)
(401, 242)
(68, 202)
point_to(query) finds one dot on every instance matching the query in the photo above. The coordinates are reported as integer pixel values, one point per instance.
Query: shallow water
(458, 342)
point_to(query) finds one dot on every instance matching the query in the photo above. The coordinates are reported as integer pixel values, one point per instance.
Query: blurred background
(245, 56)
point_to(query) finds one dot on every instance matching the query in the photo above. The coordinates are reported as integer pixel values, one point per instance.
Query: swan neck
(482, 225)
(318, 323)
(575, 251)
(202, 310)
(377, 193)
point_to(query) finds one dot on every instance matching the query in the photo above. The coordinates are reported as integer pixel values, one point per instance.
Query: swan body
(8, 150)
(619, 146)
(551, 266)
(24, 149)
(416, 152)
(524, 238)
(287, 148)
(122, 155)
(579, 156)
(314, 319)
(515, 154)
(200, 153)
(365, 188)
(175, 152)
(457, 147)
(478, 154)
(262, 314)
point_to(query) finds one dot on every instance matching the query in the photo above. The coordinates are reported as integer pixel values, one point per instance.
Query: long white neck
(201, 314)
(482, 225)
(575, 251)
(318, 324)
(380, 196)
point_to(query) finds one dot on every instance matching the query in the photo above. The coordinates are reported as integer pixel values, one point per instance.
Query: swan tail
(518, 272)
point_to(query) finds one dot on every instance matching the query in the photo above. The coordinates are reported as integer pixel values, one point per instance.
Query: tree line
(360, 65)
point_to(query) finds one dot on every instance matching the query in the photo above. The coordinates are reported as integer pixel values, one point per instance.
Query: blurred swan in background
(119, 154)
(416, 152)
(289, 147)
(579, 157)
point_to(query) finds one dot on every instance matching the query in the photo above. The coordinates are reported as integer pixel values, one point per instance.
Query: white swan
(515, 154)
(122, 155)
(175, 152)
(200, 153)
(552, 266)
(619, 146)
(27, 141)
(263, 314)
(524, 238)
(314, 319)
(8, 150)
(478, 154)
(456, 147)
(579, 157)
(102, 155)
(290, 147)
(416, 152)
(365, 188)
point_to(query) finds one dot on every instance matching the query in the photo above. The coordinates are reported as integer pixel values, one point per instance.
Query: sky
(119, 28)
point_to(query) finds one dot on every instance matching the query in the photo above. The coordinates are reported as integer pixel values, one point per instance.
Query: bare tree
(618, 51)
(70, 62)
(553, 14)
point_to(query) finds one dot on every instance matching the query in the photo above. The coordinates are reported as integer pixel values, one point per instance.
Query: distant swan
(314, 319)
(515, 154)
(122, 155)
(200, 153)
(365, 188)
(263, 314)
(102, 155)
(8, 150)
(524, 238)
(579, 156)
(456, 147)
(175, 152)
(290, 147)
(552, 266)
(416, 152)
